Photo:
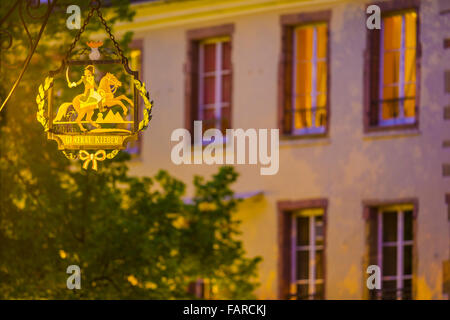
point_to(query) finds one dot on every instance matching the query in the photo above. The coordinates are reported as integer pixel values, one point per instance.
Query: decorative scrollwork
(70, 155)
(93, 158)
(6, 39)
(40, 100)
(112, 154)
(23, 8)
(148, 104)
(34, 5)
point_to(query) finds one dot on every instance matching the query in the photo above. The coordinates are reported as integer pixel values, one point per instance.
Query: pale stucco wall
(346, 168)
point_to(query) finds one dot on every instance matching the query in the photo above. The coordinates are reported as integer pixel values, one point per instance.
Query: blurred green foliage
(132, 237)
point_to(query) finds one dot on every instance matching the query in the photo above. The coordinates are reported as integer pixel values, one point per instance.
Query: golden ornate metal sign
(91, 105)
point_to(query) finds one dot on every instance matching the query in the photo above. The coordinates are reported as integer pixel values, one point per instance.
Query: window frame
(401, 120)
(201, 288)
(191, 69)
(388, 8)
(286, 71)
(399, 244)
(311, 248)
(313, 130)
(218, 73)
(138, 44)
(286, 209)
(372, 235)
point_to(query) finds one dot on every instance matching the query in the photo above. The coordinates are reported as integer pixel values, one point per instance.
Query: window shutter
(226, 86)
(372, 241)
(284, 235)
(374, 71)
(287, 63)
(192, 86)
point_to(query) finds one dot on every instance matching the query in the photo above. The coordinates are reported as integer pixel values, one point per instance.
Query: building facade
(363, 114)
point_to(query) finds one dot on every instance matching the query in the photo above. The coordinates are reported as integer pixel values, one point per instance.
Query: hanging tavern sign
(90, 106)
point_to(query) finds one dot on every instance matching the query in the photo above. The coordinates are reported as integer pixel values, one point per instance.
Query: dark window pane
(407, 290)
(225, 121)
(389, 290)
(208, 113)
(302, 291)
(374, 294)
(209, 120)
(319, 295)
(302, 231)
(319, 240)
(407, 260)
(209, 90)
(408, 225)
(226, 88)
(319, 229)
(226, 55)
(201, 290)
(319, 264)
(389, 261)
(302, 265)
(209, 57)
(389, 226)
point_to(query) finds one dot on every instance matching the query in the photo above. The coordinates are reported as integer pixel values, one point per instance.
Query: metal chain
(77, 37)
(111, 36)
(95, 6)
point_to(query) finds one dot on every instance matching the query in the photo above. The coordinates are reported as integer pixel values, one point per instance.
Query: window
(215, 83)
(304, 75)
(398, 69)
(301, 245)
(309, 88)
(208, 85)
(393, 71)
(392, 250)
(135, 64)
(307, 278)
(202, 289)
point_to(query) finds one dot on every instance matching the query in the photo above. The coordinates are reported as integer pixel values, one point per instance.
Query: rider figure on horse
(93, 98)
(90, 95)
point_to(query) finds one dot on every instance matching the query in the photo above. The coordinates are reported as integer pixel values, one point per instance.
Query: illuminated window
(135, 64)
(307, 254)
(392, 69)
(214, 96)
(398, 69)
(136, 59)
(309, 85)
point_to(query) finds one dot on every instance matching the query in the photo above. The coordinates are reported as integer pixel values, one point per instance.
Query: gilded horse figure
(106, 90)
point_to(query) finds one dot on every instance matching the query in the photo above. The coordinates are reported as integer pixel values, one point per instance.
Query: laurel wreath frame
(41, 114)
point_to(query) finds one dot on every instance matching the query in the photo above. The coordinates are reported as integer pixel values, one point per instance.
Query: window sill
(402, 131)
(214, 143)
(394, 127)
(310, 140)
(217, 142)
